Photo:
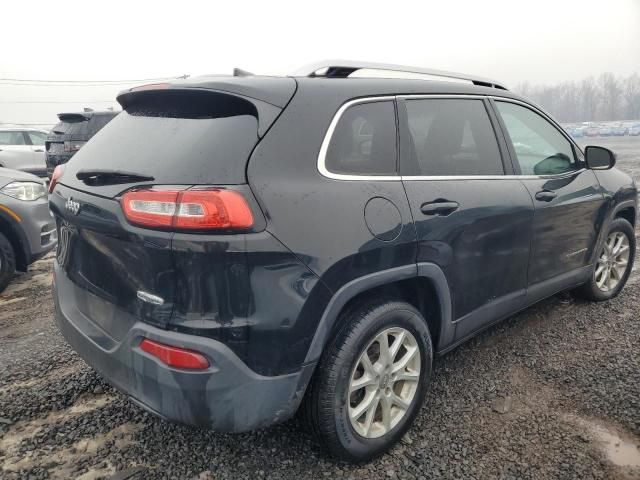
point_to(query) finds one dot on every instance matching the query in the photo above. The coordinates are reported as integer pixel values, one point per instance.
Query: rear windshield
(81, 126)
(73, 126)
(209, 149)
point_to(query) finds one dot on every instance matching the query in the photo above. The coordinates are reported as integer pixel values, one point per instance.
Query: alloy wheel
(612, 262)
(384, 382)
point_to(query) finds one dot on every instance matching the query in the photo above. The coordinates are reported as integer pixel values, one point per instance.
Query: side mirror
(599, 158)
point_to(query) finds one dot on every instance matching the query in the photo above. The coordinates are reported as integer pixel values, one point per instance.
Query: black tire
(325, 408)
(590, 290)
(7, 262)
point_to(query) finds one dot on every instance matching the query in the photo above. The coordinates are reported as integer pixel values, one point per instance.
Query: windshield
(72, 127)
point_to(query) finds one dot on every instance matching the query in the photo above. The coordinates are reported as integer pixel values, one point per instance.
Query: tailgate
(169, 140)
(111, 262)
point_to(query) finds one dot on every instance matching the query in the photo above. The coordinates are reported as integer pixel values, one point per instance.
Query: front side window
(451, 137)
(540, 148)
(364, 141)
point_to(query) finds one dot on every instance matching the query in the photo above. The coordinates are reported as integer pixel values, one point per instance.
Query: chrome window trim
(423, 96)
(327, 140)
(386, 178)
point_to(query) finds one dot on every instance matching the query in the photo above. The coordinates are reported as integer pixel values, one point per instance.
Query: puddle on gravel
(622, 450)
(29, 429)
(51, 377)
(25, 282)
(61, 464)
(11, 300)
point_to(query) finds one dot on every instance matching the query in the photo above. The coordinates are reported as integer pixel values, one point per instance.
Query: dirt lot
(553, 392)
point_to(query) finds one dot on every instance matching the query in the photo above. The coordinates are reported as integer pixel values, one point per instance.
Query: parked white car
(23, 149)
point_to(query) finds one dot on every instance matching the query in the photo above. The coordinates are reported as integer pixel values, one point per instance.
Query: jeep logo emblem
(72, 206)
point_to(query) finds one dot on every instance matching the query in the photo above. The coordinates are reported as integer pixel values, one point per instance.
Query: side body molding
(447, 327)
(377, 279)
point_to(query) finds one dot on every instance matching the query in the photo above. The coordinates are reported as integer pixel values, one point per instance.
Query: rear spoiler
(73, 117)
(196, 103)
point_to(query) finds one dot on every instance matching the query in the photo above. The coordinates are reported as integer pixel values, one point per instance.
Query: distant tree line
(602, 98)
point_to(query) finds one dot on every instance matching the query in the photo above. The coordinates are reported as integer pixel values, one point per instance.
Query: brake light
(175, 356)
(151, 86)
(208, 209)
(55, 177)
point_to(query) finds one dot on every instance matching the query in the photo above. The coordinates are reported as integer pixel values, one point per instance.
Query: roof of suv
(382, 79)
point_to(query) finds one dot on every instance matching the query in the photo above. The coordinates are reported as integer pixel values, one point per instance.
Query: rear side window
(364, 141)
(11, 138)
(451, 137)
(177, 138)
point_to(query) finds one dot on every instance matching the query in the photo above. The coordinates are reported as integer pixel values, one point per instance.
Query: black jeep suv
(71, 133)
(235, 249)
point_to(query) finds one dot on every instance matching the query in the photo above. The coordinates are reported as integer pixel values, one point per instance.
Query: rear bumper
(228, 396)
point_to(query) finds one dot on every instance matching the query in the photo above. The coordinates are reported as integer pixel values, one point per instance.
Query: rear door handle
(439, 207)
(38, 150)
(546, 195)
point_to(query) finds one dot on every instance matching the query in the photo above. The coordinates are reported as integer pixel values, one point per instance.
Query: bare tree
(607, 98)
(631, 94)
(610, 92)
(588, 93)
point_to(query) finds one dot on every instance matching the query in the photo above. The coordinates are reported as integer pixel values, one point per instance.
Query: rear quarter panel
(321, 220)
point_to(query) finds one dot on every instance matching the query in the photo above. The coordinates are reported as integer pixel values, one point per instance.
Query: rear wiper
(110, 177)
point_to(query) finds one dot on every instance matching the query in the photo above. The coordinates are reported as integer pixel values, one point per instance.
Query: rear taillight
(175, 356)
(55, 177)
(204, 209)
(151, 86)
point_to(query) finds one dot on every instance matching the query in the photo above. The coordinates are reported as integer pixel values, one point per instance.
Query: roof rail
(347, 68)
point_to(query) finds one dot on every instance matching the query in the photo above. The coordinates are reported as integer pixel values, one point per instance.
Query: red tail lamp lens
(150, 208)
(188, 209)
(213, 209)
(174, 356)
(151, 86)
(55, 177)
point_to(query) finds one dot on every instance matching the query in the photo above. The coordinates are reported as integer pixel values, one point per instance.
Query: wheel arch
(413, 283)
(627, 211)
(15, 236)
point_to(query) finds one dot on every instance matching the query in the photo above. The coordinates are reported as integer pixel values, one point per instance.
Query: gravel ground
(553, 392)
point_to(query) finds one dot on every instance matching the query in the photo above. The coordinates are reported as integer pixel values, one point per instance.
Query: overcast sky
(540, 41)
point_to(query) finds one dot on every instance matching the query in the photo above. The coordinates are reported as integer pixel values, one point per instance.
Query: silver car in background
(27, 229)
(23, 149)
